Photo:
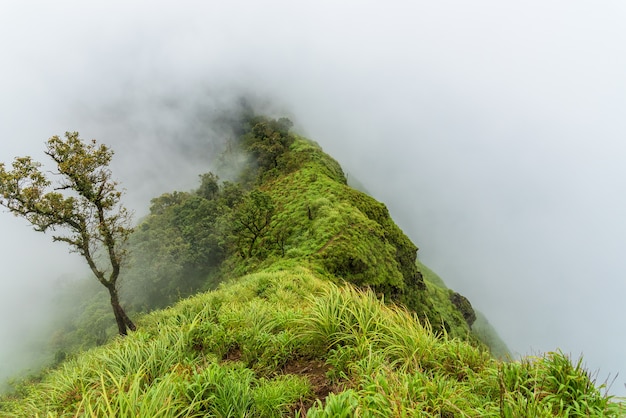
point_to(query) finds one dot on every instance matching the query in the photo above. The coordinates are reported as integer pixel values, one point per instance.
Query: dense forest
(284, 291)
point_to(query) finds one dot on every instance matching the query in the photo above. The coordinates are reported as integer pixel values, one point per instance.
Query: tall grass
(228, 354)
(177, 364)
(396, 366)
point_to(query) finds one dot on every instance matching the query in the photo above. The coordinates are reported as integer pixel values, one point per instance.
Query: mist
(492, 131)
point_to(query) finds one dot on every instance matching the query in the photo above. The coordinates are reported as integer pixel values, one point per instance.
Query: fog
(494, 132)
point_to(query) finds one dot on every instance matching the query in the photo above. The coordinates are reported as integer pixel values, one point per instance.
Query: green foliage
(349, 235)
(181, 364)
(209, 186)
(251, 221)
(306, 153)
(82, 207)
(551, 385)
(250, 349)
(84, 202)
(181, 243)
(405, 250)
(268, 141)
(342, 405)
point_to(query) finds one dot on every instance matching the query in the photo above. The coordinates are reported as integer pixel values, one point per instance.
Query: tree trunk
(123, 321)
(252, 245)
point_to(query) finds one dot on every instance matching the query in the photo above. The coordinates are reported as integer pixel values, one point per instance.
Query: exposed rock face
(464, 306)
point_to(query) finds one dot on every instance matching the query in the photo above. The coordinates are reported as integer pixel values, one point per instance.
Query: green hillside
(320, 308)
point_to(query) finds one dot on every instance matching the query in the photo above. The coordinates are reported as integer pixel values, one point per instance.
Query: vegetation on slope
(303, 323)
(285, 342)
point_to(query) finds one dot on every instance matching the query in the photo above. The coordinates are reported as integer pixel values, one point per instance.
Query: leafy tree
(161, 204)
(209, 186)
(268, 141)
(80, 203)
(179, 247)
(252, 220)
(231, 194)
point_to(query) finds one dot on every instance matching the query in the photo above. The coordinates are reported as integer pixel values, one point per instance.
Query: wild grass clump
(556, 386)
(394, 365)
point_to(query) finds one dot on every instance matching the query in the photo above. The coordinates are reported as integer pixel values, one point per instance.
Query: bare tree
(79, 202)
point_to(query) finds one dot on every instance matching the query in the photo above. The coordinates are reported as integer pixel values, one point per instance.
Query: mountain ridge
(322, 309)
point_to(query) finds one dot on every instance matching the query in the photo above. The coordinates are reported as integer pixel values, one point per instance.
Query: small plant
(342, 405)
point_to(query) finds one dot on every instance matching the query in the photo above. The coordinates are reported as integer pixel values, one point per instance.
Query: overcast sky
(494, 132)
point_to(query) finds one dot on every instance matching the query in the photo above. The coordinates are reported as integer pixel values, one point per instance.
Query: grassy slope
(348, 235)
(291, 337)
